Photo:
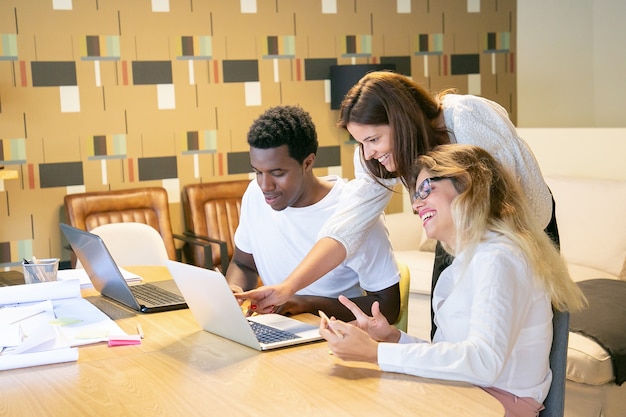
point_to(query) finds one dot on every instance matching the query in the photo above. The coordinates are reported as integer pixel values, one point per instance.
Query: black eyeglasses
(424, 189)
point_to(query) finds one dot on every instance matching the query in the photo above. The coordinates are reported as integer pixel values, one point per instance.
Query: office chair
(555, 401)
(148, 205)
(405, 283)
(132, 244)
(212, 214)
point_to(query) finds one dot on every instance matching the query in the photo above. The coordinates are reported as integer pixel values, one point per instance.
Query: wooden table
(180, 370)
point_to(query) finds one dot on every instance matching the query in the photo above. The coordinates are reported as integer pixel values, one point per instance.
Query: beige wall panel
(45, 217)
(207, 167)
(228, 25)
(341, 26)
(152, 47)
(141, 104)
(417, 67)
(186, 101)
(240, 46)
(318, 45)
(351, 60)
(460, 82)
(207, 105)
(116, 170)
(7, 17)
(35, 18)
(463, 42)
(12, 122)
(92, 171)
(110, 72)
(43, 113)
(286, 70)
(57, 48)
(159, 142)
(14, 98)
(137, 18)
(394, 45)
(86, 76)
(101, 123)
(494, 15)
(59, 148)
(457, 19)
(8, 76)
(347, 158)
(91, 101)
(84, 19)
(271, 95)
(177, 219)
(27, 51)
(203, 71)
(400, 25)
(181, 76)
(69, 124)
(18, 225)
(134, 145)
(129, 98)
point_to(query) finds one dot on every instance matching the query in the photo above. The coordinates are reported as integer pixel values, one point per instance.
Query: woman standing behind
(395, 120)
(493, 304)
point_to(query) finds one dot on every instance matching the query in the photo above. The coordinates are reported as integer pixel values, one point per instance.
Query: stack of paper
(43, 323)
(81, 275)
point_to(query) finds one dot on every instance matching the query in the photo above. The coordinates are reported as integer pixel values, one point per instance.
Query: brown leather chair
(147, 205)
(212, 213)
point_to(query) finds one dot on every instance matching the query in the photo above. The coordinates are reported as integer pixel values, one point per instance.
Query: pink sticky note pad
(123, 340)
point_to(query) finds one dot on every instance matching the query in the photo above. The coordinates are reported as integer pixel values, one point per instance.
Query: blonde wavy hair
(490, 199)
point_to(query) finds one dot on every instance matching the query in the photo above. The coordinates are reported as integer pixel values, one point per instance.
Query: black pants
(443, 259)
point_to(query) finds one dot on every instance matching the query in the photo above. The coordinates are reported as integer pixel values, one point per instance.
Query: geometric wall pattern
(119, 94)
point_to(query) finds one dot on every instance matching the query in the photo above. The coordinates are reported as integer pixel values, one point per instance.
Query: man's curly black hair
(285, 125)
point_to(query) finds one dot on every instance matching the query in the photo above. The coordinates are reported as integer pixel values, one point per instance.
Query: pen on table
(140, 330)
(29, 316)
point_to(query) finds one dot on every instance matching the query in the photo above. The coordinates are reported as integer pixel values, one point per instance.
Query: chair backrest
(555, 401)
(405, 284)
(147, 205)
(212, 210)
(132, 244)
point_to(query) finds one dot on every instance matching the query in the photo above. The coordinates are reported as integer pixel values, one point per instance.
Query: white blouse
(494, 326)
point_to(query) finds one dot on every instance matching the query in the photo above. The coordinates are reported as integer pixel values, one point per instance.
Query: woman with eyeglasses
(493, 304)
(395, 120)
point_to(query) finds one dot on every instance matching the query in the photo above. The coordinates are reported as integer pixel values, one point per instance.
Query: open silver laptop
(217, 311)
(108, 280)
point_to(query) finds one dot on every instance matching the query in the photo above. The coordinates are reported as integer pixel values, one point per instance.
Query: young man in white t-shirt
(282, 213)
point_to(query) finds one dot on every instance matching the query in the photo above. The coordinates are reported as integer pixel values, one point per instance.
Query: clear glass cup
(40, 270)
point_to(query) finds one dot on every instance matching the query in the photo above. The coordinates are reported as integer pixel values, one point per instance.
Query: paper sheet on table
(45, 357)
(38, 341)
(48, 331)
(28, 293)
(81, 275)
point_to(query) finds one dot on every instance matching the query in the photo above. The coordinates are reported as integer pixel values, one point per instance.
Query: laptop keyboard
(268, 334)
(153, 295)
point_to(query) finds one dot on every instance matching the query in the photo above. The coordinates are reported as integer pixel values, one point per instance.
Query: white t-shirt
(494, 326)
(279, 240)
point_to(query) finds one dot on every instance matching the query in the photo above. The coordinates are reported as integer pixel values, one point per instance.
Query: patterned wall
(114, 94)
